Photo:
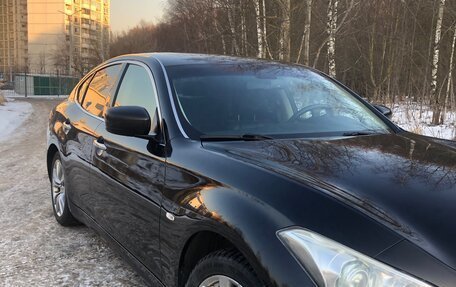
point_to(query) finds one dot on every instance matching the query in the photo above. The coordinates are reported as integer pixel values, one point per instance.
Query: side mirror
(384, 110)
(130, 121)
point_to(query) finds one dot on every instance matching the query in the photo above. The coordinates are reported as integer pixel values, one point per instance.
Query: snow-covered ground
(413, 118)
(13, 94)
(12, 115)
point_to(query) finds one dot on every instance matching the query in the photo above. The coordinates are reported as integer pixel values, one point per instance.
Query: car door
(130, 174)
(79, 125)
(85, 117)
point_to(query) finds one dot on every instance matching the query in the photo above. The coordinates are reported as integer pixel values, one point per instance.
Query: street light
(71, 20)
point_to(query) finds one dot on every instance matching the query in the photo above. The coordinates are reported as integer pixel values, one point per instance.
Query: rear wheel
(223, 269)
(59, 196)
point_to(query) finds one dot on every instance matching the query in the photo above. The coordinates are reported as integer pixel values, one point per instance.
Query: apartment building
(13, 36)
(53, 36)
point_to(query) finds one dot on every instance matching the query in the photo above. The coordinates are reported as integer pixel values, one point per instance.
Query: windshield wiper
(244, 137)
(361, 133)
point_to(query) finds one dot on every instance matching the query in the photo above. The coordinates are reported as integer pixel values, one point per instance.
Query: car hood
(405, 181)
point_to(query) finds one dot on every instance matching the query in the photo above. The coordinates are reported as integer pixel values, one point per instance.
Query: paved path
(34, 249)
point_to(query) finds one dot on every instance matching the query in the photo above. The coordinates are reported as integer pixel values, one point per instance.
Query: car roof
(179, 59)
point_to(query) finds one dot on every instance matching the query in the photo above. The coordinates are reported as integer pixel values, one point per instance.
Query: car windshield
(272, 100)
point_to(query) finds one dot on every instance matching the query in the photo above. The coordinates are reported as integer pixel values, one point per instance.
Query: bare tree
(265, 31)
(244, 38)
(259, 26)
(222, 36)
(305, 42)
(435, 64)
(450, 75)
(61, 59)
(235, 46)
(331, 30)
(42, 63)
(285, 27)
(349, 8)
(139, 39)
(386, 50)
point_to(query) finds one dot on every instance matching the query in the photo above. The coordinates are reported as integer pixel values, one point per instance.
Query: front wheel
(59, 195)
(223, 269)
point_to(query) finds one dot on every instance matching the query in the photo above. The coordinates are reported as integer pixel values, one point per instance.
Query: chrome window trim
(120, 62)
(173, 106)
(90, 74)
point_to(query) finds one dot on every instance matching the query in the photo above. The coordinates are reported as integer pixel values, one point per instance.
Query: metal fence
(43, 85)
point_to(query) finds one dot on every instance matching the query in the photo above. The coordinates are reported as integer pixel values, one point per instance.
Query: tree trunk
(326, 41)
(265, 31)
(435, 65)
(331, 30)
(222, 37)
(305, 43)
(235, 47)
(371, 61)
(260, 35)
(285, 40)
(243, 31)
(450, 76)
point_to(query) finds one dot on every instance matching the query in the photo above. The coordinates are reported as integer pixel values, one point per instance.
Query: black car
(218, 171)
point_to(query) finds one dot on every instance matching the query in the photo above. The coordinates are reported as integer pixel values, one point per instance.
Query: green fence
(44, 85)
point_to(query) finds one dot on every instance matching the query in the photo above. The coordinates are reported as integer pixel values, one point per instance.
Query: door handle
(99, 146)
(66, 127)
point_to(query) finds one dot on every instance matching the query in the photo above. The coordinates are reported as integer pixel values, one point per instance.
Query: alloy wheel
(220, 281)
(58, 188)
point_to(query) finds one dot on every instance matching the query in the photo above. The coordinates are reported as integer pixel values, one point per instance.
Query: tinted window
(83, 89)
(101, 90)
(137, 89)
(270, 99)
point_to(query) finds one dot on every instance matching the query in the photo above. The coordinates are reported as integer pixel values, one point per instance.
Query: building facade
(53, 36)
(13, 37)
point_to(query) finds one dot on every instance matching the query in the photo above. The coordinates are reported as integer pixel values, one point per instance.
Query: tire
(58, 194)
(223, 265)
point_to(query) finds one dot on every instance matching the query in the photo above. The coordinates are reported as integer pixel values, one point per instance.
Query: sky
(126, 14)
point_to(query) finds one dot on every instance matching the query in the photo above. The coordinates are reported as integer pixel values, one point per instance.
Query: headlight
(333, 265)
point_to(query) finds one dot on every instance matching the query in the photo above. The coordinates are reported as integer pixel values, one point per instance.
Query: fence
(44, 85)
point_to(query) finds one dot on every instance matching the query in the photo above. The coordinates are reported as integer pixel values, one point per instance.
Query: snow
(13, 94)
(417, 119)
(12, 115)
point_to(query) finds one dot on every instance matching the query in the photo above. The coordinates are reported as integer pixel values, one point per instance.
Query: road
(34, 249)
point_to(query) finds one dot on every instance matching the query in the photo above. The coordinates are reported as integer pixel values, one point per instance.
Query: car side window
(101, 89)
(136, 89)
(82, 89)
